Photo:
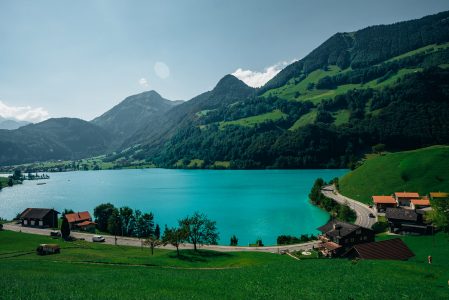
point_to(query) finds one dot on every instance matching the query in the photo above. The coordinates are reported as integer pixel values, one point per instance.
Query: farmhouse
(405, 198)
(420, 203)
(39, 217)
(381, 203)
(394, 249)
(81, 221)
(407, 221)
(439, 196)
(338, 237)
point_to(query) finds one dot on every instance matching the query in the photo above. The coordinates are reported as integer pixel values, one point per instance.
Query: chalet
(381, 203)
(407, 221)
(405, 198)
(338, 237)
(394, 249)
(439, 196)
(80, 221)
(420, 203)
(39, 217)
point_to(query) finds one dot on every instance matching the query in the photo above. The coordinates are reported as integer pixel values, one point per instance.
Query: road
(135, 242)
(362, 210)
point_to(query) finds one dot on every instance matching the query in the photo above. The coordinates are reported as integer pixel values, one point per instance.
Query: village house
(381, 203)
(405, 198)
(439, 196)
(424, 202)
(80, 221)
(338, 237)
(39, 217)
(394, 249)
(407, 221)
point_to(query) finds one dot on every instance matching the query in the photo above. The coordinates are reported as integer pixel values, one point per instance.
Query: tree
(17, 175)
(1, 185)
(65, 229)
(157, 231)
(234, 240)
(439, 215)
(126, 216)
(102, 213)
(66, 211)
(114, 223)
(200, 229)
(10, 182)
(175, 236)
(153, 241)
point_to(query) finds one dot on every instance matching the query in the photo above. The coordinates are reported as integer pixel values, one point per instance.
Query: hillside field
(424, 170)
(90, 271)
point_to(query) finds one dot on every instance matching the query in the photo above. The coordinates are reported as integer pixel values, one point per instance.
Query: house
(420, 203)
(439, 195)
(405, 198)
(382, 202)
(338, 237)
(407, 221)
(39, 217)
(394, 249)
(80, 221)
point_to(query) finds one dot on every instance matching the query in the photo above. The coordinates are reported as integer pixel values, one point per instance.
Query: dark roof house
(394, 249)
(407, 221)
(40, 217)
(401, 214)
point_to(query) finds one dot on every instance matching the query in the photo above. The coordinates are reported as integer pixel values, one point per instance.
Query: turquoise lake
(251, 204)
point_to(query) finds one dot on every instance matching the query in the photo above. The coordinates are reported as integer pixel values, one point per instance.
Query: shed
(39, 217)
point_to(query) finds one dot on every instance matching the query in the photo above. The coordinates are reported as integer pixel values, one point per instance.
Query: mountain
(63, 138)
(133, 113)
(10, 124)
(384, 84)
(228, 90)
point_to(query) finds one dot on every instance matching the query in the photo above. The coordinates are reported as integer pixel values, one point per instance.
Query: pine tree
(65, 229)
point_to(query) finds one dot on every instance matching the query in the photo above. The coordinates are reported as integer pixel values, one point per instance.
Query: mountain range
(11, 124)
(385, 84)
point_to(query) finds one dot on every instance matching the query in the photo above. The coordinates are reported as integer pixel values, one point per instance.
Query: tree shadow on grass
(199, 256)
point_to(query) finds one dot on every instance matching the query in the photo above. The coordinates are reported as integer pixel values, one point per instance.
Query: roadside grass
(70, 276)
(424, 170)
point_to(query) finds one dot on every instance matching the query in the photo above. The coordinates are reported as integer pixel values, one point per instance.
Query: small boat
(41, 183)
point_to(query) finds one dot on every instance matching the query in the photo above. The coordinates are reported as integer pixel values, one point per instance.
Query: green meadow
(90, 271)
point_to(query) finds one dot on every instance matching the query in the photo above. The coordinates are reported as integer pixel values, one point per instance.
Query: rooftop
(406, 195)
(401, 214)
(389, 249)
(439, 195)
(421, 202)
(384, 200)
(338, 228)
(36, 213)
(78, 217)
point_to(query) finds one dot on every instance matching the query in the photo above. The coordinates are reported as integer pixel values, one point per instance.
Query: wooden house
(394, 249)
(407, 221)
(405, 198)
(381, 203)
(338, 237)
(39, 217)
(80, 221)
(420, 203)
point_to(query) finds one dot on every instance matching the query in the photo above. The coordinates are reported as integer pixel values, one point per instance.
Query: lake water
(251, 204)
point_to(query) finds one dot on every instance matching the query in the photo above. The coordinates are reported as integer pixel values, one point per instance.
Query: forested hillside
(381, 85)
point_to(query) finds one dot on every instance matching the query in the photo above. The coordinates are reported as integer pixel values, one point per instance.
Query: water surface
(251, 204)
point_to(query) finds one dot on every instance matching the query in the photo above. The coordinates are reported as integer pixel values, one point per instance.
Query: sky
(80, 58)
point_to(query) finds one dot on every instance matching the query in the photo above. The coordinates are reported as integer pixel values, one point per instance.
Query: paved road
(135, 242)
(362, 210)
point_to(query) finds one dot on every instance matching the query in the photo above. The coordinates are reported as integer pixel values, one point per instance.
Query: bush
(379, 227)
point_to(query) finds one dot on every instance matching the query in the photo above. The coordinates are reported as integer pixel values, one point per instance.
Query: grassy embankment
(423, 171)
(88, 271)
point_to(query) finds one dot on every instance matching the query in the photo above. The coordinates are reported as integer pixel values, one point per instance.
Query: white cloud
(144, 82)
(23, 113)
(161, 69)
(258, 79)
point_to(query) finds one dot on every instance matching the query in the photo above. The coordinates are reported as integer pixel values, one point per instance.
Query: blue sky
(80, 58)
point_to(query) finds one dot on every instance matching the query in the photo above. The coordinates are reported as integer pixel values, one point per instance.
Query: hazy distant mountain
(11, 124)
(132, 114)
(63, 138)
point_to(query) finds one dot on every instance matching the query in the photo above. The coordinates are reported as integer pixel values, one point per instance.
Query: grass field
(251, 121)
(308, 118)
(91, 271)
(423, 171)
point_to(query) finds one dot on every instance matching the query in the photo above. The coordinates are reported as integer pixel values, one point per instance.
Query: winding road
(362, 210)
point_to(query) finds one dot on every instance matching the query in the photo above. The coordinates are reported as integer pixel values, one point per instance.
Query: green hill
(423, 171)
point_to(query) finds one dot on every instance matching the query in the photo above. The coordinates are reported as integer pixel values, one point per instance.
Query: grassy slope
(251, 121)
(308, 118)
(257, 275)
(423, 170)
